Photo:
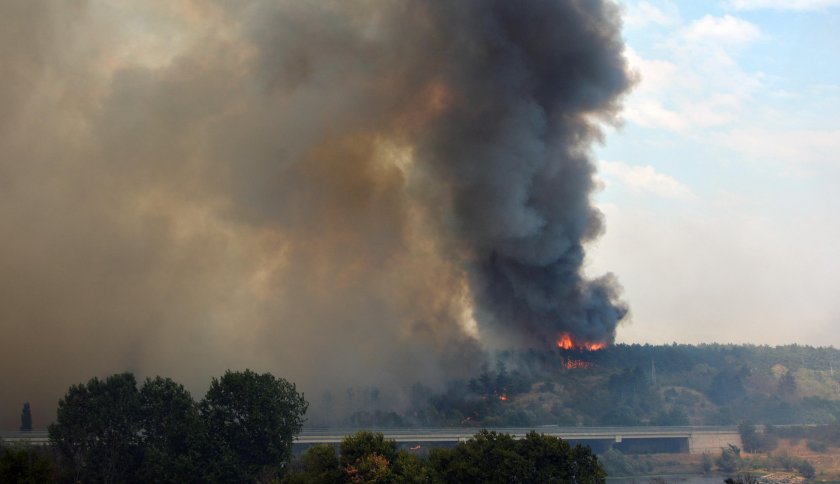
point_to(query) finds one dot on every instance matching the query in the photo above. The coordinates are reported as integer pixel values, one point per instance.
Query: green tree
(806, 469)
(410, 469)
(321, 464)
(749, 437)
(551, 459)
(25, 465)
(97, 431)
(728, 385)
(787, 385)
(490, 457)
(487, 457)
(251, 420)
(729, 459)
(356, 446)
(26, 418)
(365, 457)
(173, 433)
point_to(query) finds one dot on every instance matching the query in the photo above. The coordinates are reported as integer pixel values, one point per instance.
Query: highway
(456, 434)
(698, 439)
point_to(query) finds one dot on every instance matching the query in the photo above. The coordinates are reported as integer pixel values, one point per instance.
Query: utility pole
(652, 372)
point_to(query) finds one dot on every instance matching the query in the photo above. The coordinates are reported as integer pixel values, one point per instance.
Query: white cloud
(728, 29)
(783, 4)
(646, 179)
(697, 82)
(657, 74)
(644, 14)
(794, 149)
(652, 114)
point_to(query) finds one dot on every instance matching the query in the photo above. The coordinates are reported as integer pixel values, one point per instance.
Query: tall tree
(26, 418)
(787, 385)
(173, 434)
(97, 431)
(251, 419)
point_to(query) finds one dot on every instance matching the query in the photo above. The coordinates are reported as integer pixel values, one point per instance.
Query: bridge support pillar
(712, 442)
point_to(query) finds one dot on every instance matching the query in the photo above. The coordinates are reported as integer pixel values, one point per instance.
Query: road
(699, 439)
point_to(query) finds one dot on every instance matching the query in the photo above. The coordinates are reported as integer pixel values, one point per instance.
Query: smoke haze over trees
(327, 188)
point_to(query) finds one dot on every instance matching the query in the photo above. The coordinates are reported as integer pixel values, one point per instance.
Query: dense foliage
(26, 465)
(251, 420)
(488, 457)
(111, 431)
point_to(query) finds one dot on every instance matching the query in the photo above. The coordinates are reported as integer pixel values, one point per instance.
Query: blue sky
(721, 190)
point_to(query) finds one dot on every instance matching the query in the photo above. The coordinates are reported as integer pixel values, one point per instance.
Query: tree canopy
(488, 457)
(97, 431)
(252, 420)
(111, 431)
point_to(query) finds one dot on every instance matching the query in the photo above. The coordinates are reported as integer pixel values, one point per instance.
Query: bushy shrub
(729, 459)
(706, 463)
(816, 446)
(616, 463)
(806, 469)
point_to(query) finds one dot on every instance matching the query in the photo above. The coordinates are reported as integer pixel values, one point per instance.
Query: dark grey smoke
(325, 190)
(527, 79)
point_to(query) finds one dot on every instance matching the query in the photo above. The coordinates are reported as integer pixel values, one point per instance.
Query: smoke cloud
(336, 192)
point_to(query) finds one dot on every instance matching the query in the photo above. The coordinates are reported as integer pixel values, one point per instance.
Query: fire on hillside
(565, 342)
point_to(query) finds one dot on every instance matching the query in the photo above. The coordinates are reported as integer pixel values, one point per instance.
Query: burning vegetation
(634, 385)
(568, 348)
(565, 342)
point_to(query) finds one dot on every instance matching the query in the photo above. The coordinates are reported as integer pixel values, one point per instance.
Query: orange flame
(503, 397)
(576, 364)
(565, 342)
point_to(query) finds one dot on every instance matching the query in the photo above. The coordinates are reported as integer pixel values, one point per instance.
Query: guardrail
(452, 434)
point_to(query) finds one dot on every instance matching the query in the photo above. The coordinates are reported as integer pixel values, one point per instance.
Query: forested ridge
(678, 384)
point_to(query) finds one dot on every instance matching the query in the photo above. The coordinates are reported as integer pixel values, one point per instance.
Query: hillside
(675, 384)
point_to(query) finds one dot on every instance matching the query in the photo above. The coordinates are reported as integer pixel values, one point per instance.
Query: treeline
(111, 430)
(633, 385)
(488, 457)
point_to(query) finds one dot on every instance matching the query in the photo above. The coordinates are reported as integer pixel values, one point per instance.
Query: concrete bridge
(695, 440)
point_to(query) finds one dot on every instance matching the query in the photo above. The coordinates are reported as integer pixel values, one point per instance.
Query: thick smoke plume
(333, 191)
